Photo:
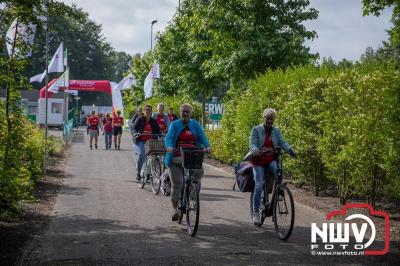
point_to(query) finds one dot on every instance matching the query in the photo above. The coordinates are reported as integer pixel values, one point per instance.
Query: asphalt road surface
(102, 217)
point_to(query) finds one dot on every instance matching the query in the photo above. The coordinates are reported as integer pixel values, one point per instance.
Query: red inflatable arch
(82, 85)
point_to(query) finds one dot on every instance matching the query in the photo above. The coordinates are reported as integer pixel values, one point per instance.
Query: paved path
(102, 217)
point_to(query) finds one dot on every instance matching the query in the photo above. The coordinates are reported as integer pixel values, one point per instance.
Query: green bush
(22, 165)
(343, 123)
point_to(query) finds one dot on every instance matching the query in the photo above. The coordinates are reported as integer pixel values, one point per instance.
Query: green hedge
(344, 125)
(23, 166)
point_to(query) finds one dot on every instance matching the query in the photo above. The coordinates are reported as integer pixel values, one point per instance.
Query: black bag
(165, 187)
(244, 177)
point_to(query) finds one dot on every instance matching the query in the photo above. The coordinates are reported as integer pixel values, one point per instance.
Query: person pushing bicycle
(184, 132)
(264, 140)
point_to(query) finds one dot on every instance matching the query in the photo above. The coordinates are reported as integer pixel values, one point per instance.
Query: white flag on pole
(19, 33)
(57, 62)
(38, 77)
(148, 85)
(156, 70)
(126, 83)
(116, 98)
(56, 65)
(63, 79)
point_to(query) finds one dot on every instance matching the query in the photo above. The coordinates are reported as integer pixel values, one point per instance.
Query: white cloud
(343, 31)
(126, 24)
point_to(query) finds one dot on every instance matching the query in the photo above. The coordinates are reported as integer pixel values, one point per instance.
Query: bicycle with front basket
(153, 162)
(281, 205)
(189, 201)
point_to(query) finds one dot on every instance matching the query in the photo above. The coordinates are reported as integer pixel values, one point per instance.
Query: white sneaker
(257, 218)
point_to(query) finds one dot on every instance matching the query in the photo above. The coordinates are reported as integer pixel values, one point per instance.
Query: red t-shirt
(107, 124)
(171, 117)
(93, 122)
(146, 133)
(185, 139)
(265, 159)
(161, 122)
(118, 121)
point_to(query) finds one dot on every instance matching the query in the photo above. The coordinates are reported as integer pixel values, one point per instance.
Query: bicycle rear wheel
(192, 208)
(155, 170)
(283, 212)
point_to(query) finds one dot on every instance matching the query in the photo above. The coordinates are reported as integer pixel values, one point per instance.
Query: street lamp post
(151, 41)
(77, 110)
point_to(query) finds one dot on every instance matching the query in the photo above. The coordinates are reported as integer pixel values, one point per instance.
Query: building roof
(31, 95)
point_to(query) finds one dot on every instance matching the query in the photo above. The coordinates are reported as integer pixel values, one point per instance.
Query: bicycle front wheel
(155, 169)
(283, 212)
(192, 208)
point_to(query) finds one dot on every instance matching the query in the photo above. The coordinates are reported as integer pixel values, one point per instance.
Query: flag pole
(66, 86)
(47, 88)
(65, 128)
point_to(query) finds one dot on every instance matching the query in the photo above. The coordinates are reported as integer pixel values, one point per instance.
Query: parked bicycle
(189, 201)
(279, 204)
(153, 163)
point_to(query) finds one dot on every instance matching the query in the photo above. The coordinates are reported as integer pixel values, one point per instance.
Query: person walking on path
(107, 130)
(162, 119)
(144, 126)
(118, 123)
(184, 132)
(171, 115)
(93, 123)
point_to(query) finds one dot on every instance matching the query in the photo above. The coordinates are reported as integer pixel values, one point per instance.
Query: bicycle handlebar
(206, 150)
(137, 134)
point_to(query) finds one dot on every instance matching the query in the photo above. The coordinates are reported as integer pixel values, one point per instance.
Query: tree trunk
(8, 120)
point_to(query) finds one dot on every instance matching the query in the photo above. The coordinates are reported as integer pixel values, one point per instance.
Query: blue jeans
(258, 173)
(108, 138)
(140, 153)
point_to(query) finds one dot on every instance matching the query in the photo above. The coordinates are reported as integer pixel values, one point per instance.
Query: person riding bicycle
(171, 116)
(162, 119)
(138, 113)
(145, 126)
(264, 139)
(184, 132)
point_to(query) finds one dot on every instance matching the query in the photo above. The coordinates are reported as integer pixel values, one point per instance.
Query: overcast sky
(342, 30)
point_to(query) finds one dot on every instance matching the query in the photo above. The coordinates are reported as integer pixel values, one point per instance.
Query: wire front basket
(154, 146)
(192, 157)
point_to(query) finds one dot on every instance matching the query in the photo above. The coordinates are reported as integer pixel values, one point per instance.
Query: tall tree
(90, 56)
(392, 49)
(210, 44)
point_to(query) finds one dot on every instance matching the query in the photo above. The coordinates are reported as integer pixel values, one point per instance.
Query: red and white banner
(82, 85)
